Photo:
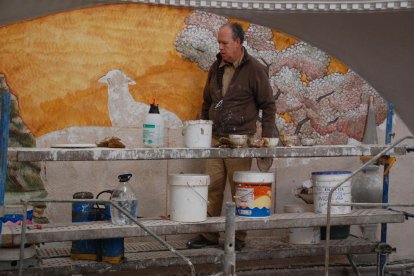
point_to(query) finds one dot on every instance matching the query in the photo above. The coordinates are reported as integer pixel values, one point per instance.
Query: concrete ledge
(105, 154)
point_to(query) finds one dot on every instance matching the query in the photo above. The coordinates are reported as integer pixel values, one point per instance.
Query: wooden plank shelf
(101, 230)
(106, 154)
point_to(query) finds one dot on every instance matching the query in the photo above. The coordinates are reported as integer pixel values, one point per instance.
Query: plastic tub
(197, 134)
(323, 183)
(188, 197)
(253, 193)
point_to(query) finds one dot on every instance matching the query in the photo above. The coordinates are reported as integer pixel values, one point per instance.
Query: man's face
(230, 49)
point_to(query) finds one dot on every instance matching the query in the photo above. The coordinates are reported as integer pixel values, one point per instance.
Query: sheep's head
(116, 77)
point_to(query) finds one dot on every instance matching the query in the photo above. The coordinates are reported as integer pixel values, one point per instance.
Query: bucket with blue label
(253, 193)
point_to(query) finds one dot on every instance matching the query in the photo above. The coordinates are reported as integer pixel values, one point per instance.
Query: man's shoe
(199, 242)
(239, 245)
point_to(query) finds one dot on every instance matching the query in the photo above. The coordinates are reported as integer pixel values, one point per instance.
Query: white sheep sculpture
(124, 111)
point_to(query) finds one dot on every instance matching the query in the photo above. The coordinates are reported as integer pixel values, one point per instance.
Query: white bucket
(197, 134)
(323, 183)
(188, 197)
(253, 193)
(309, 235)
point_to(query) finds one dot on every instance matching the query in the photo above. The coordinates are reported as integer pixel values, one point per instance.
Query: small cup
(238, 140)
(270, 142)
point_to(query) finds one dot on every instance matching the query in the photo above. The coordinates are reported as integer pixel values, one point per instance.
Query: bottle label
(153, 135)
(150, 134)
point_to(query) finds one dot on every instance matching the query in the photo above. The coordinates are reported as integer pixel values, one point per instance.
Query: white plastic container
(153, 128)
(253, 193)
(198, 133)
(323, 183)
(308, 235)
(188, 197)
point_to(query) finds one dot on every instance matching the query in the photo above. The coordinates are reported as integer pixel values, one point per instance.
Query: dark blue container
(83, 212)
(111, 250)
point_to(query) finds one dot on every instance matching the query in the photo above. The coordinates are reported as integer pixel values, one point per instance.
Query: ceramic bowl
(255, 142)
(307, 141)
(290, 140)
(238, 140)
(270, 142)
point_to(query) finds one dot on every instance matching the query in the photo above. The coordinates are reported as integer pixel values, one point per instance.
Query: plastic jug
(153, 127)
(124, 197)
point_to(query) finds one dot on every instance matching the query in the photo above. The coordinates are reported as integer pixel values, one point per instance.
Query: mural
(23, 178)
(79, 72)
(312, 99)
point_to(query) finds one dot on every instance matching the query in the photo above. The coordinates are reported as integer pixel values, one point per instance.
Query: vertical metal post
(229, 261)
(386, 180)
(4, 143)
(23, 238)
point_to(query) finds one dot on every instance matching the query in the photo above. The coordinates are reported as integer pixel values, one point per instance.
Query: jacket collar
(245, 58)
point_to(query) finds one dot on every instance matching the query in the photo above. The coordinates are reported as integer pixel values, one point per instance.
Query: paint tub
(197, 134)
(13, 214)
(323, 183)
(188, 197)
(308, 235)
(253, 193)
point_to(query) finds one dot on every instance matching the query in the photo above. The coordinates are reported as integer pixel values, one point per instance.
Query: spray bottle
(153, 128)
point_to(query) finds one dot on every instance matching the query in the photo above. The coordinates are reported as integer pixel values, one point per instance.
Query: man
(237, 87)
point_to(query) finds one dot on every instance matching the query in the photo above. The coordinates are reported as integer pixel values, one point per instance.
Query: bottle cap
(124, 177)
(154, 107)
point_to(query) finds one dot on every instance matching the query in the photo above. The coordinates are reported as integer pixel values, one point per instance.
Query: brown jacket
(237, 112)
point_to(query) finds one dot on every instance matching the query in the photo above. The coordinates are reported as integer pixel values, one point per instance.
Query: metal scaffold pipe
(229, 262)
(4, 141)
